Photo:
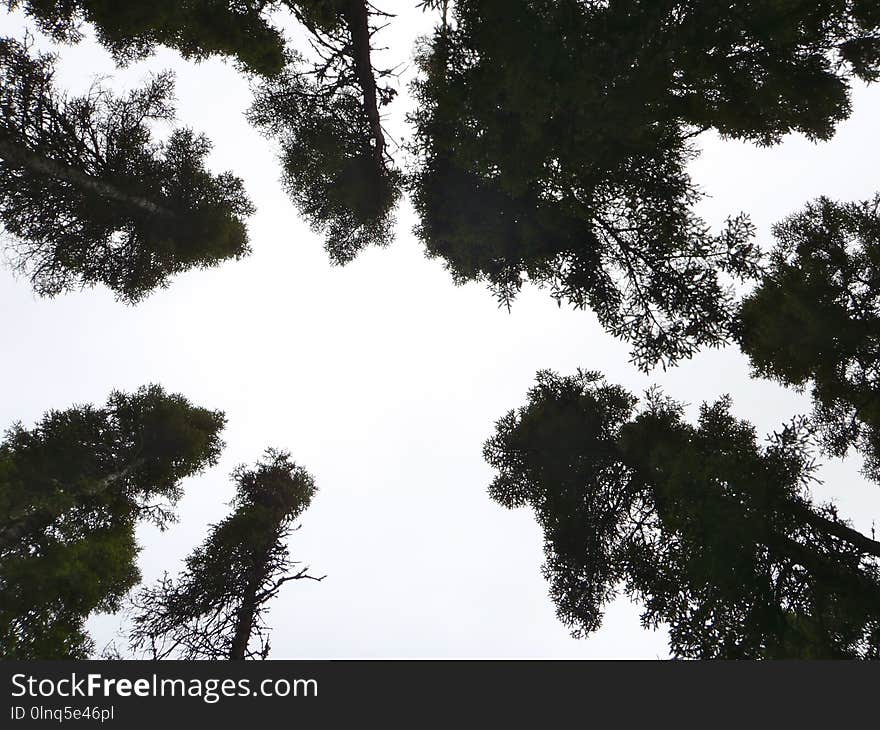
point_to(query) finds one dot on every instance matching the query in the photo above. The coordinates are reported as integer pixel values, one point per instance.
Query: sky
(383, 379)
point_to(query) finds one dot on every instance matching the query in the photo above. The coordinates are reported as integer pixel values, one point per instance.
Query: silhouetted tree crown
(216, 608)
(331, 168)
(326, 113)
(815, 320)
(89, 197)
(715, 534)
(553, 139)
(197, 28)
(71, 490)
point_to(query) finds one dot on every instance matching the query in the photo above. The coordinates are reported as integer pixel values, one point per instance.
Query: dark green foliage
(71, 490)
(815, 320)
(130, 29)
(215, 609)
(553, 141)
(715, 534)
(329, 160)
(88, 197)
(327, 115)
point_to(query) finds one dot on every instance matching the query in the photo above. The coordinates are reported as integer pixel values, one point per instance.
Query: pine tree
(88, 197)
(71, 492)
(216, 607)
(327, 115)
(713, 533)
(815, 320)
(553, 140)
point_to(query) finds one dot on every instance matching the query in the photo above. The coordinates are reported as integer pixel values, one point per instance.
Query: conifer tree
(814, 321)
(326, 113)
(553, 140)
(71, 492)
(713, 533)
(88, 197)
(216, 607)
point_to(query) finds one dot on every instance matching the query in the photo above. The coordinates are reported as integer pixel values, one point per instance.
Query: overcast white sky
(384, 379)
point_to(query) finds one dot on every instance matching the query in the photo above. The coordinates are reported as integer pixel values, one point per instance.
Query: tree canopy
(715, 534)
(815, 320)
(553, 140)
(71, 491)
(196, 28)
(335, 158)
(550, 143)
(87, 195)
(550, 140)
(216, 607)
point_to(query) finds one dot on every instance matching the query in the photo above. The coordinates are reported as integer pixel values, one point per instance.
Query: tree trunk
(20, 156)
(244, 625)
(20, 526)
(357, 19)
(247, 612)
(838, 529)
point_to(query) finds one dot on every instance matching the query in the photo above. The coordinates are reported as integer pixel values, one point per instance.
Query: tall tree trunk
(18, 155)
(244, 625)
(357, 19)
(247, 612)
(22, 525)
(838, 529)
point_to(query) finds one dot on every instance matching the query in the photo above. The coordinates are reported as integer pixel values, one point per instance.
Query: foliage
(553, 141)
(815, 320)
(89, 198)
(327, 115)
(71, 490)
(329, 159)
(196, 28)
(715, 534)
(215, 609)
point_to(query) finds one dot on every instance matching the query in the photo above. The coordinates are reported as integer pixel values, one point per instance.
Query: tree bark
(838, 529)
(19, 527)
(244, 625)
(357, 19)
(20, 156)
(247, 612)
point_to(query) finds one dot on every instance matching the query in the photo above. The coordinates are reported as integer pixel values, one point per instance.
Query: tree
(326, 114)
(815, 320)
(715, 534)
(553, 138)
(215, 609)
(89, 197)
(196, 28)
(71, 491)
